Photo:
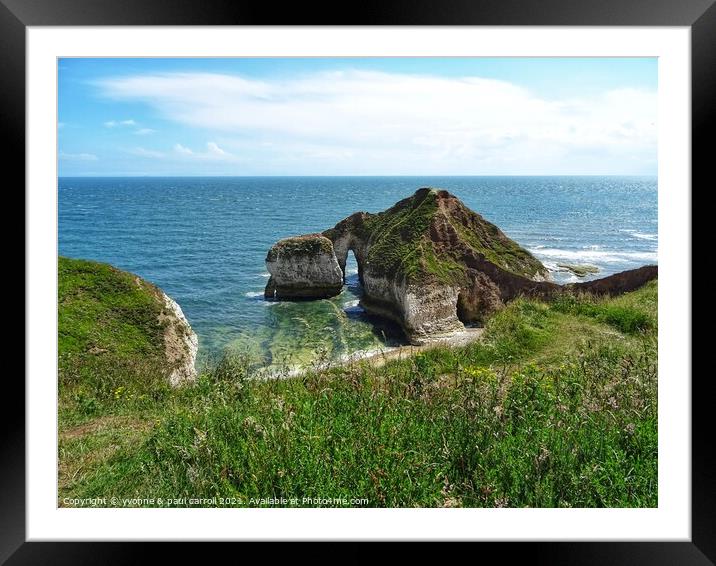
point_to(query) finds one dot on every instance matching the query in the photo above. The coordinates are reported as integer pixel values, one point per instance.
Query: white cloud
(144, 131)
(115, 123)
(396, 123)
(77, 156)
(213, 151)
(179, 148)
(141, 152)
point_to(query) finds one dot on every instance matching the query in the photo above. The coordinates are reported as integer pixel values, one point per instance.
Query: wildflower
(486, 490)
(200, 436)
(544, 453)
(630, 428)
(452, 502)
(251, 424)
(502, 502)
(191, 474)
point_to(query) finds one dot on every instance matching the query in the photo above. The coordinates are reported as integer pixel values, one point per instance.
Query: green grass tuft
(626, 314)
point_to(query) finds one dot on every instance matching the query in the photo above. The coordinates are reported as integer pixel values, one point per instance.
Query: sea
(204, 242)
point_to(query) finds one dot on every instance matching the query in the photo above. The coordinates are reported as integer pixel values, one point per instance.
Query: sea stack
(428, 263)
(303, 267)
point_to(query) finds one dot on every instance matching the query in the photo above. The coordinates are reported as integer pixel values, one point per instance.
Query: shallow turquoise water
(204, 240)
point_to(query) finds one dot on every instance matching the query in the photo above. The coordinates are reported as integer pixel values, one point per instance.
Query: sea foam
(598, 256)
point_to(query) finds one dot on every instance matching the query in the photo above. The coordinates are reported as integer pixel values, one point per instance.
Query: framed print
(391, 279)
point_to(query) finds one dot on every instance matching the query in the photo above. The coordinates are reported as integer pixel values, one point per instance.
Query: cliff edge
(428, 263)
(117, 326)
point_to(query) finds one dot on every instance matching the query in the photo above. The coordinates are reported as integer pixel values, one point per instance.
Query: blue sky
(373, 116)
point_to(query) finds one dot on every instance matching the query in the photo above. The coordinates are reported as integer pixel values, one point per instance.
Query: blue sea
(204, 240)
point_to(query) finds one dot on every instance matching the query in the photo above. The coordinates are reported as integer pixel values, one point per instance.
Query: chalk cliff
(303, 267)
(429, 263)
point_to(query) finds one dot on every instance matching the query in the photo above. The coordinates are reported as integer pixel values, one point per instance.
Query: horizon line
(339, 176)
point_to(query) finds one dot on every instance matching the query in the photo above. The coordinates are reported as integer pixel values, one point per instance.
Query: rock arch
(428, 263)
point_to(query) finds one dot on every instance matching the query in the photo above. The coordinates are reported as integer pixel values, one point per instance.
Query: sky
(357, 116)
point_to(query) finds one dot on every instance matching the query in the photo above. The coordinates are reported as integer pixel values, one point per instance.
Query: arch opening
(467, 309)
(352, 273)
(460, 308)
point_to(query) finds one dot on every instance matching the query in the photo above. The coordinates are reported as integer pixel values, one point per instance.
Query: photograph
(357, 282)
(406, 273)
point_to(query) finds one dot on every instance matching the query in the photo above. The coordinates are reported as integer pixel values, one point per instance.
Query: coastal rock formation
(113, 324)
(428, 263)
(181, 343)
(618, 283)
(580, 270)
(303, 267)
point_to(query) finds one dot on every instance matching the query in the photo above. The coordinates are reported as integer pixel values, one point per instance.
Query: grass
(556, 407)
(490, 241)
(401, 242)
(103, 308)
(620, 313)
(398, 237)
(309, 244)
(110, 337)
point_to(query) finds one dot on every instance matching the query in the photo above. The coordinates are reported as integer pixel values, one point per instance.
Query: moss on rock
(425, 237)
(428, 263)
(305, 245)
(580, 270)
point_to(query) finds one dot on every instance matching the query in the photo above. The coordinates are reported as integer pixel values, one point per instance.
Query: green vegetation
(309, 244)
(403, 240)
(398, 236)
(490, 241)
(110, 334)
(618, 312)
(555, 407)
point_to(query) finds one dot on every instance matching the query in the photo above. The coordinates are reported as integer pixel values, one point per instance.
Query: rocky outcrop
(181, 343)
(619, 282)
(579, 270)
(429, 263)
(303, 267)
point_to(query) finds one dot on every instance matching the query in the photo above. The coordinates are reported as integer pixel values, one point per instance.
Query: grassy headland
(555, 407)
(402, 239)
(110, 332)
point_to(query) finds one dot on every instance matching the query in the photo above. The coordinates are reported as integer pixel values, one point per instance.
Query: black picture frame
(699, 15)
